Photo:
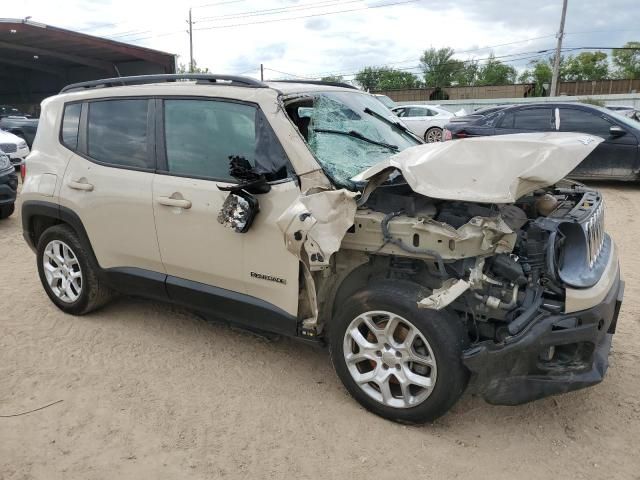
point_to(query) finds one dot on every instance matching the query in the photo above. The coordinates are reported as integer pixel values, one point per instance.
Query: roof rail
(200, 78)
(317, 82)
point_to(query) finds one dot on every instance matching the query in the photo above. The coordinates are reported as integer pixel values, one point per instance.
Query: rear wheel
(398, 361)
(68, 272)
(6, 211)
(434, 134)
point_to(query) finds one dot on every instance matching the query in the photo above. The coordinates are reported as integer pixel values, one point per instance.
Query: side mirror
(615, 131)
(238, 211)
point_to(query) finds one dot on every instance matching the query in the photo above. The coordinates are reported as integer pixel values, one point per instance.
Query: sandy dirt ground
(154, 391)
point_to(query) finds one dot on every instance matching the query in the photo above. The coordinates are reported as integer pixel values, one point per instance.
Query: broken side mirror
(238, 211)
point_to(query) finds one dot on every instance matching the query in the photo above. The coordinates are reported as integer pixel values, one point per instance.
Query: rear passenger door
(197, 138)
(616, 157)
(108, 179)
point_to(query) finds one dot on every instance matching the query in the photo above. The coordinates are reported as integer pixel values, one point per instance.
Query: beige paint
(583, 298)
(194, 246)
(320, 220)
(497, 169)
(117, 213)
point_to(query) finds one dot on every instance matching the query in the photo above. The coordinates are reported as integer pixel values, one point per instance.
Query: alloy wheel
(62, 271)
(389, 359)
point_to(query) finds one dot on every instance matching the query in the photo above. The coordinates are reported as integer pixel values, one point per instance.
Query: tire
(87, 295)
(7, 210)
(432, 135)
(445, 339)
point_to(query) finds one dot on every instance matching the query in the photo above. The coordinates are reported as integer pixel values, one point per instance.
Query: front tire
(6, 211)
(434, 134)
(398, 361)
(68, 272)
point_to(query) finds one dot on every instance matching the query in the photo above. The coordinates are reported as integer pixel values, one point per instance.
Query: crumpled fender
(318, 221)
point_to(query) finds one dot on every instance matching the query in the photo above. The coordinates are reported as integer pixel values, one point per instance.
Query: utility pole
(190, 43)
(556, 61)
(261, 73)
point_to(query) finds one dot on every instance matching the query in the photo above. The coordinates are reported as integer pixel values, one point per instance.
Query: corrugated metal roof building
(37, 60)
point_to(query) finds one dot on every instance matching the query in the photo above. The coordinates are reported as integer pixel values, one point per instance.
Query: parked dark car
(478, 114)
(618, 157)
(8, 186)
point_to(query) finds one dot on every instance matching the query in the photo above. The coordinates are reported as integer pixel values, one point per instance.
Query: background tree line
(439, 69)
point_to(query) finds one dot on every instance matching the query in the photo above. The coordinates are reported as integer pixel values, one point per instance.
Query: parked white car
(426, 121)
(14, 147)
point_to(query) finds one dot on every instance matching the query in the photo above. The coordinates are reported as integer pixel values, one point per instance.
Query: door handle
(174, 202)
(81, 184)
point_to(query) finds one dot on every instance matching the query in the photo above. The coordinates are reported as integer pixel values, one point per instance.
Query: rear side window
(535, 119)
(201, 136)
(70, 123)
(117, 133)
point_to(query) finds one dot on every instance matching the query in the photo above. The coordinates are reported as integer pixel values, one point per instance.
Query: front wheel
(398, 361)
(433, 135)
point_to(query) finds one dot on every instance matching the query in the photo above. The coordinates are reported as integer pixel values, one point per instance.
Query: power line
(279, 10)
(307, 16)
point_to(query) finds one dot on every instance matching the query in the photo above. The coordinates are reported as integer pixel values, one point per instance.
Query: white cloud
(342, 43)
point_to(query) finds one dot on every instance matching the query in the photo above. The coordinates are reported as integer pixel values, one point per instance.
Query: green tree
(587, 66)
(540, 72)
(384, 78)
(627, 62)
(184, 68)
(467, 74)
(494, 72)
(333, 78)
(439, 67)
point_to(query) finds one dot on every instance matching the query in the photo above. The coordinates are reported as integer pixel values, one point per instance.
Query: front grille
(8, 147)
(594, 229)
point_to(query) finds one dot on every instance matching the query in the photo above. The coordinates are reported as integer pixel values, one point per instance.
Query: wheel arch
(38, 216)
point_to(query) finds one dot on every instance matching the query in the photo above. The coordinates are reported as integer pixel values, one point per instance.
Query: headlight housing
(22, 144)
(4, 162)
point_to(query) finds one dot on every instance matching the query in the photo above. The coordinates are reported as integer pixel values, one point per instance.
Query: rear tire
(68, 272)
(427, 362)
(7, 210)
(432, 135)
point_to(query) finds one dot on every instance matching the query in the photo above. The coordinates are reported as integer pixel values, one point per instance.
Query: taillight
(446, 135)
(23, 171)
(461, 134)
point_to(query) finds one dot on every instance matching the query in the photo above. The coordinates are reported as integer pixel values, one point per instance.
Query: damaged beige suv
(309, 210)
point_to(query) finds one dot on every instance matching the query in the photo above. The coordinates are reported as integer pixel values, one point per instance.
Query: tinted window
(202, 135)
(70, 122)
(400, 112)
(117, 132)
(536, 119)
(573, 120)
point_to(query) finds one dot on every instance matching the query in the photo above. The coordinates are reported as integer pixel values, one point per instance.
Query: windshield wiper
(397, 125)
(359, 136)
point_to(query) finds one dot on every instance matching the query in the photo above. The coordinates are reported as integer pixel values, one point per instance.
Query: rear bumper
(557, 354)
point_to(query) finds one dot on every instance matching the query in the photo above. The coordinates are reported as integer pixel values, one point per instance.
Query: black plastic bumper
(8, 186)
(557, 354)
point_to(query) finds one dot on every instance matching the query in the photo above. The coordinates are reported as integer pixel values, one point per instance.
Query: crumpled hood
(497, 169)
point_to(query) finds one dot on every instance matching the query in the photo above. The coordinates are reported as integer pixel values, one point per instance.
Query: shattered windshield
(349, 132)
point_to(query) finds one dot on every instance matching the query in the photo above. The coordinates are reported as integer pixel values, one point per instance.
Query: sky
(340, 36)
